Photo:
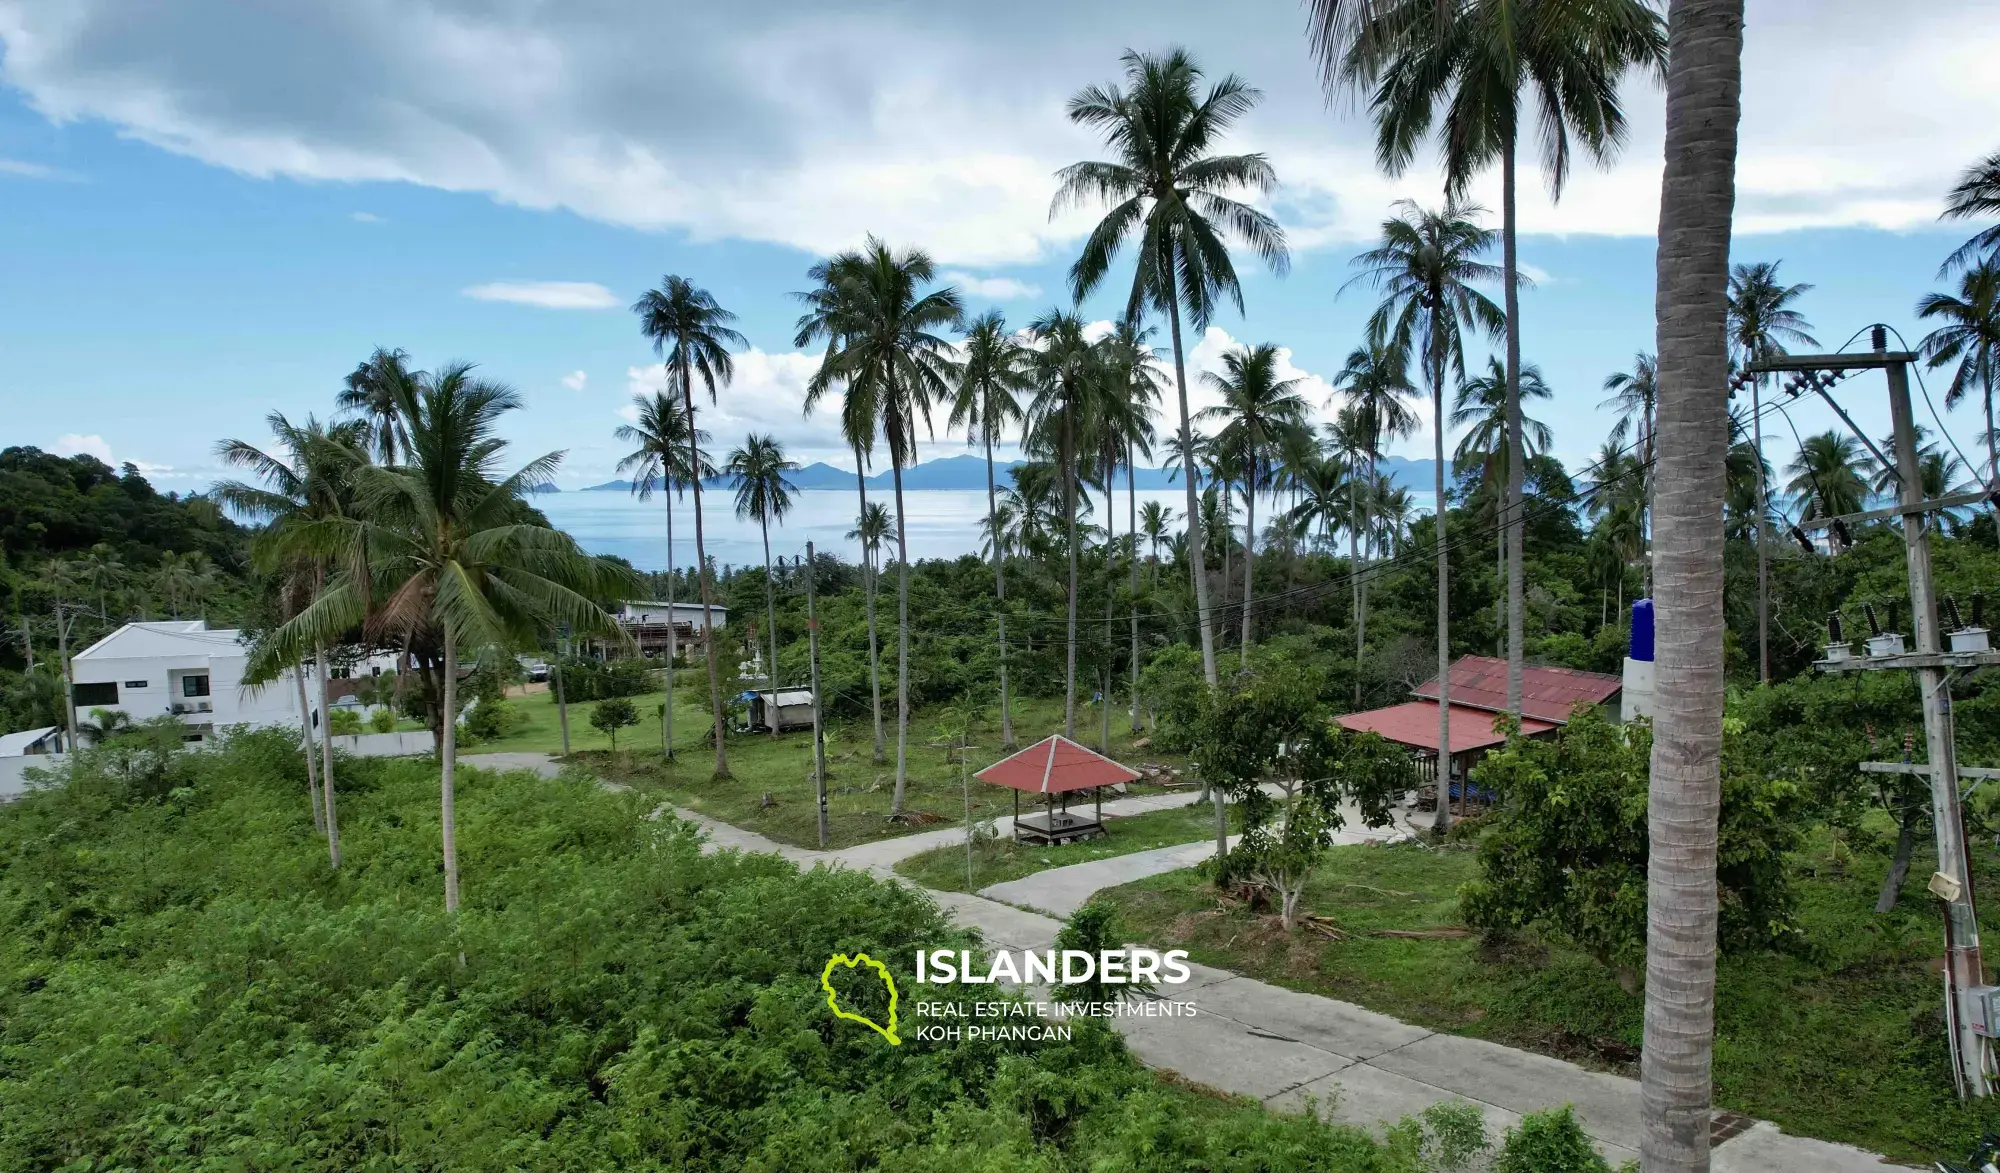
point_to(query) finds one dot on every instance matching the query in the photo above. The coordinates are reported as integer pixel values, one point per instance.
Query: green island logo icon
(833, 999)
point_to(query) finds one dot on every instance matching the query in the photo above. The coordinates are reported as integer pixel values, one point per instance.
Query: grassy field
(1838, 1037)
(771, 791)
(995, 861)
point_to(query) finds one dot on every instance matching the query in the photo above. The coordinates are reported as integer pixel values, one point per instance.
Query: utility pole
(562, 710)
(69, 689)
(1969, 1002)
(819, 728)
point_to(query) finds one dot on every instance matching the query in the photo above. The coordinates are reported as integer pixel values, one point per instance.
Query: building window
(136, 684)
(95, 694)
(194, 686)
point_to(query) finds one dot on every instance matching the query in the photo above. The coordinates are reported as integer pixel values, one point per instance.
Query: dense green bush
(591, 680)
(1565, 850)
(184, 984)
(1549, 1142)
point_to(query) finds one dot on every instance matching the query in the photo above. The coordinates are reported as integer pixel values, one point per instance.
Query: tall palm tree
(1635, 396)
(1165, 186)
(1060, 419)
(1130, 361)
(1761, 323)
(1830, 475)
(436, 553)
(1969, 335)
(302, 496)
(883, 345)
(103, 569)
(1376, 382)
(992, 375)
(1684, 800)
(1977, 193)
(369, 393)
(1483, 407)
(691, 334)
(1258, 412)
(1471, 60)
(665, 452)
(1426, 268)
(1155, 519)
(758, 472)
(871, 527)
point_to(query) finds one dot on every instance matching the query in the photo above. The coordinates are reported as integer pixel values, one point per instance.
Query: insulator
(1799, 536)
(1951, 613)
(1874, 628)
(1841, 534)
(1833, 629)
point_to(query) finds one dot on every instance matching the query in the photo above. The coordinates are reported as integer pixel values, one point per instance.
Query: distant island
(969, 472)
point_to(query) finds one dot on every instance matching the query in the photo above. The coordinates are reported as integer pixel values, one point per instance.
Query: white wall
(14, 770)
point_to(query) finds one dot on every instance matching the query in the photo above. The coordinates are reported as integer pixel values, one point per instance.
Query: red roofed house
(1478, 695)
(1056, 767)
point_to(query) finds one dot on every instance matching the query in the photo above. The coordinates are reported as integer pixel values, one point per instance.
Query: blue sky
(207, 215)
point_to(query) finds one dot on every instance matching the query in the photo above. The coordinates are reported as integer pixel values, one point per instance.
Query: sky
(210, 211)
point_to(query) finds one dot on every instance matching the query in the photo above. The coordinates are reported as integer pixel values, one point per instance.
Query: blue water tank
(1642, 630)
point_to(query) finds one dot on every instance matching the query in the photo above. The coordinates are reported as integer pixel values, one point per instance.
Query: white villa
(649, 622)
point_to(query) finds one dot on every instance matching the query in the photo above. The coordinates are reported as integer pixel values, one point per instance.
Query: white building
(183, 669)
(648, 623)
(31, 742)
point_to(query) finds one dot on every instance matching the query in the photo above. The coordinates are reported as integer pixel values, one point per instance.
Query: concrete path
(1287, 1048)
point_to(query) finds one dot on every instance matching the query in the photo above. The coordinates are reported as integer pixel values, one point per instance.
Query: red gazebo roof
(1415, 723)
(1055, 765)
(1547, 694)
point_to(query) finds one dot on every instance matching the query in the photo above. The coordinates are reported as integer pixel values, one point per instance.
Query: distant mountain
(545, 489)
(969, 472)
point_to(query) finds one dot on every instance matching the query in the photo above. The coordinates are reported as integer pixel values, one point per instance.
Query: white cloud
(991, 288)
(72, 444)
(27, 170)
(575, 380)
(1535, 273)
(549, 295)
(364, 217)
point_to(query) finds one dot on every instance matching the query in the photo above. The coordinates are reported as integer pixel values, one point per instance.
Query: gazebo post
(1097, 803)
(1017, 814)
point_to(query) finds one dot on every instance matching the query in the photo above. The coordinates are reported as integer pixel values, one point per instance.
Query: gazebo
(1056, 768)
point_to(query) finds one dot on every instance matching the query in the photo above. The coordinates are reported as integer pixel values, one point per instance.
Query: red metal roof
(1055, 765)
(1415, 723)
(1480, 682)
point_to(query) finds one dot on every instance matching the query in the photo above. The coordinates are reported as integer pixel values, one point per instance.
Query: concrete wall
(14, 771)
(384, 745)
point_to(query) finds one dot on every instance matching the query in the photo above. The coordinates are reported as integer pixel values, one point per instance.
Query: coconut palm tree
(1977, 193)
(303, 496)
(664, 456)
(1697, 197)
(1155, 519)
(1258, 412)
(991, 376)
(757, 471)
(691, 334)
(1830, 475)
(1635, 397)
(1462, 67)
(871, 526)
(1969, 335)
(436, 553)
(1376, 382)
(1761, 323)
(1132, 364)
(1060, 422)
(1483, 407)
(1426, 268)
(1165, 186)
(103, 569)
(369, 394)
(884, 346)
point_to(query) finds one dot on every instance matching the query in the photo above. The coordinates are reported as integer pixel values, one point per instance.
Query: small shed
(784, 708)
(1055, 768)
(45, 740)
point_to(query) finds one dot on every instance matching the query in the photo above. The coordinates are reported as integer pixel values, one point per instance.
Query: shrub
(492, 719)
(382, 720)
(1549, 1142)
(344, 722)
(612, 715)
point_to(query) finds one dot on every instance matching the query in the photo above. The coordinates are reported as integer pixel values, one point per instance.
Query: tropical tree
(1471, 60)
(1969, 334)
(883, 345)
(664, 455)
(1635, 397)
(103, 570)
(1483, 408)
(691, 334)
(438, 553)
(1376, 382)
(1258, 413)
(1155, 519)
(757, 470)
(1060, 419)
(1130, 362)
(1830, 475)
(1426, 268)
(1165, 186)
(304, 497)
(1761, 323)
(986, 404)
(1697, 197)
(1977, 193)
(871, 526)
(369, 393)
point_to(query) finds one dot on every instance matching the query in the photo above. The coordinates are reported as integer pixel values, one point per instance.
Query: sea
(943, 523)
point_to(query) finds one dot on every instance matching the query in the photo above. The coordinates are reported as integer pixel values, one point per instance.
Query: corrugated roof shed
(1415, 723)
(1055, 765)
(1549, 694)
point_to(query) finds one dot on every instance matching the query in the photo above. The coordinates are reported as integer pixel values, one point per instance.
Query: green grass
(1838, 1037)
(995, 861)
(771, 790)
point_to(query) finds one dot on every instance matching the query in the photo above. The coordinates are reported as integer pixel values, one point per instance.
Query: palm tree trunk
(1105, 674)
(1069, 520)
(707, 588)
(999, 593)
(1443, 820)
(448, 774)
(771, 621)
(1992, 446)
(1132, 565)
(1354, 575)
(1763, 558)
(902, 641)
(1197, 563)
(868, 585)
(326, 757)
(1704, 95)
(1228, 512)
(1516, 453)
(667, 714)
(1367, 554)
(1249, 551)
(306, 729)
